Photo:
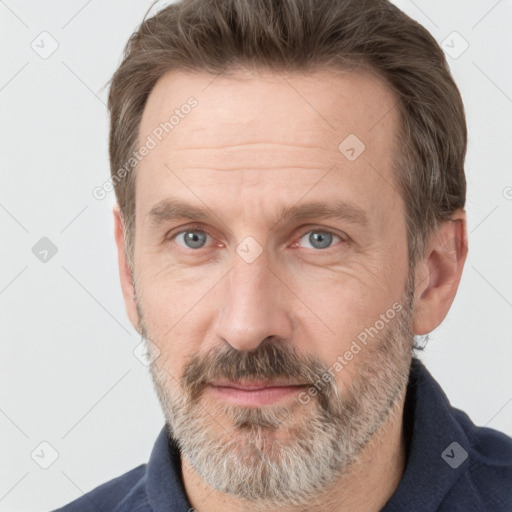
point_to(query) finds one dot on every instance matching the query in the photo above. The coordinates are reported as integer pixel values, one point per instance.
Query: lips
(254, 392)
(253, 385)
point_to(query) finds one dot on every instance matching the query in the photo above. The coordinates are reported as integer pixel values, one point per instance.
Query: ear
(125, 272)
(437, 276)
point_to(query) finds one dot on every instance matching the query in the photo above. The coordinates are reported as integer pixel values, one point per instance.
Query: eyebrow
(169, 210)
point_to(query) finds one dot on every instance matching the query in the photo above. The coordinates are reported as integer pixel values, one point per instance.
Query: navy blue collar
(164, 484)
(429, 426)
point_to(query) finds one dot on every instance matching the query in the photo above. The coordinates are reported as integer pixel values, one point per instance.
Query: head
(290, 190)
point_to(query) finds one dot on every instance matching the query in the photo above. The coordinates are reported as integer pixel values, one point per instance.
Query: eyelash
(197, 227)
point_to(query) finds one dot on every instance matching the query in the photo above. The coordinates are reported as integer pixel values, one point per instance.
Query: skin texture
(255, 144)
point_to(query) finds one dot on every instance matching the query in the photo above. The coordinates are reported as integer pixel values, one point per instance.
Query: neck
(365, 487)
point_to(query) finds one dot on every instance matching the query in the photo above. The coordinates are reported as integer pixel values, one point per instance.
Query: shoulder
(490, 449)
(127, 489)
(487, 480)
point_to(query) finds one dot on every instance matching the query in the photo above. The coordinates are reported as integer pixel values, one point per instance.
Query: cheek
(170, 294)
(344, 301)
(343, 318)
(174, 314)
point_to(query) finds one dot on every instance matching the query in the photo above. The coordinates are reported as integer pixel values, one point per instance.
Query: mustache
(270, 362)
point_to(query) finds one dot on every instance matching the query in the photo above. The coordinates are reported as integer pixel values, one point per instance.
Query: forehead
(327, 103)
(253, 131)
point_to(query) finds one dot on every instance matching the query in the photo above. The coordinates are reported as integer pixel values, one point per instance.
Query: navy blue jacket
(451, 465)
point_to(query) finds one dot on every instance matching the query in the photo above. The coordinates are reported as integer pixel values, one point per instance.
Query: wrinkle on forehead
(316, 110)
(273, 132)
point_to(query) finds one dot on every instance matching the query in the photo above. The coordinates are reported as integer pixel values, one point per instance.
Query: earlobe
(438, 275)
(125, 271)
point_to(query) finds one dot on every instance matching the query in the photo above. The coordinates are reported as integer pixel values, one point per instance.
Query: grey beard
(237, 450)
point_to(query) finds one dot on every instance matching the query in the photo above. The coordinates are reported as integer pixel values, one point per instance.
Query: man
(290, 185)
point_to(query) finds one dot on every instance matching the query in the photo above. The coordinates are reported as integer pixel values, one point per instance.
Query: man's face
(250, 306)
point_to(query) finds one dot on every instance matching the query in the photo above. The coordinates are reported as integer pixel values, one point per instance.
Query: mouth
(254, 393)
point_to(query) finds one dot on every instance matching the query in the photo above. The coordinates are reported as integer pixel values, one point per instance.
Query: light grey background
(69, 377)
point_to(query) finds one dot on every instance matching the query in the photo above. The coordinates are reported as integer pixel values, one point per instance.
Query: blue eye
(318, 239)
(193, 239)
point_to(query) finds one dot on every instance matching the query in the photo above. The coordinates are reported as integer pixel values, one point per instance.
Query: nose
(253, 306)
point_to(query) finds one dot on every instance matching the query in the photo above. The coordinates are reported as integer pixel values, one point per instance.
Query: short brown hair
(220, 36)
